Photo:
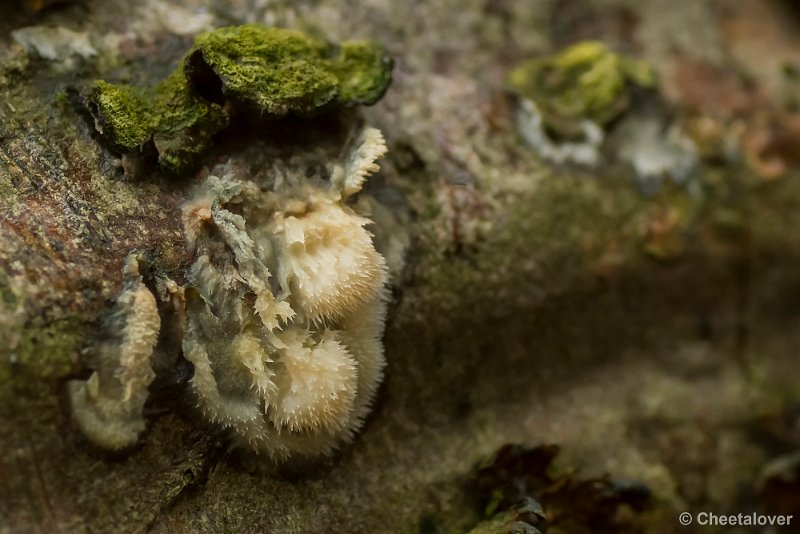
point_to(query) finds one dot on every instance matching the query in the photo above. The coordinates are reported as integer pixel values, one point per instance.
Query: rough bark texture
(651, 333)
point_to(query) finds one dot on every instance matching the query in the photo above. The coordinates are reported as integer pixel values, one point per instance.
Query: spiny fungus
(289, 361)
(108, 406)
(285, 306)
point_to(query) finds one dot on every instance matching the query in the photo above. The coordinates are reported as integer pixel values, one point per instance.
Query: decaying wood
(651, 334)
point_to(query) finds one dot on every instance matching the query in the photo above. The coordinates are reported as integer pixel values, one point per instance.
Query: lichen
(657, 152)
(583, 151)
(108, 406)
(59, 45)
(587, 81)
(289, 362)
(276, 71)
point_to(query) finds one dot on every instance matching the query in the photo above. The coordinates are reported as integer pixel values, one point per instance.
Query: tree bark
(647, 332)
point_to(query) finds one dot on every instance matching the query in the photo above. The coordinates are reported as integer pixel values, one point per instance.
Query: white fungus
(281, 316)
(108, 406)
(286, 302)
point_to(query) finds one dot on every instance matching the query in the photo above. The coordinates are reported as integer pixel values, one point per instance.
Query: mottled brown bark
(646, 333)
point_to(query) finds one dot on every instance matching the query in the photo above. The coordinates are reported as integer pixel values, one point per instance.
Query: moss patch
(585, 81)
(283, 71)
(273, 70)
(176, 120)
(122, 114)
(46, 348)
(364, 72)
(8, 193)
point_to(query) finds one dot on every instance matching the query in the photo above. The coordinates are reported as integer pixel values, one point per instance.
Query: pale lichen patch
(59, 45)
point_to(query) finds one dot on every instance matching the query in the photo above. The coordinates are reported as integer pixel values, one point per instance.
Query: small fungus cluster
(273, 71)
(281, 316)
(286, 307)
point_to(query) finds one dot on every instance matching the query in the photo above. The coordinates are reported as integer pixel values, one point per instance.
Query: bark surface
(648, 330)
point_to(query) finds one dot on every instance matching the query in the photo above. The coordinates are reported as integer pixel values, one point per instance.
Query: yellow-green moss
(364, 72)
(180, 123)
(122, 114)
(186, 122)
(281, 71)
(45, 348)
(585, 81)
(275, 70)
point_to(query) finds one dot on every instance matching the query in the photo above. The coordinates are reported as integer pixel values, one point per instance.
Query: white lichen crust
(108, 406)
(286, 302)
(532, 128)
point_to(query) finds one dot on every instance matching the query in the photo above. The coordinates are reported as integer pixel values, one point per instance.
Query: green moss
(42, 346)
(179, 123)
(281, 71)
(8, 193)
(274, 69)
(277, 71)
(46, 348)
(187, 123)
(585, 81)
(364, 72)
(122, 114)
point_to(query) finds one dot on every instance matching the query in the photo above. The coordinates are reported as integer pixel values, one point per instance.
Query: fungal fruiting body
(286, 300)
(108, 406)
(282, 314)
